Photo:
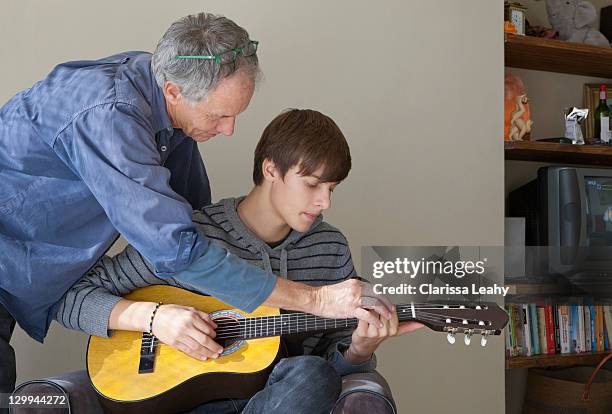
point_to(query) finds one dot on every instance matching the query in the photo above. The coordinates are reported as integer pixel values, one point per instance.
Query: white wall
(416, 88)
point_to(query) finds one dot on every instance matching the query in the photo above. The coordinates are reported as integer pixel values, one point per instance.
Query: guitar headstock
(481, 319)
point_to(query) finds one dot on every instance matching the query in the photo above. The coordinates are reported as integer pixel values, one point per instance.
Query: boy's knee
(315, 371)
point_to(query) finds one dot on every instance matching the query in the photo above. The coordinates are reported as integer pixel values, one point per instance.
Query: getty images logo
(413, 268)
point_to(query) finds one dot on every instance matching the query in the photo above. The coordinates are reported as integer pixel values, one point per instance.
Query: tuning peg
(483, 339)
(467, 338)
(451, 338)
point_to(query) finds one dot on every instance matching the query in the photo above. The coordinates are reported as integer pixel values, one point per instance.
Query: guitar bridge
(147, 354)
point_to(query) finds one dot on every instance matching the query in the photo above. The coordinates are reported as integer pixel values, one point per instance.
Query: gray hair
(200, 34)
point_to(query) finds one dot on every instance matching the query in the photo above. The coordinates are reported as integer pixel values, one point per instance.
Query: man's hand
(348, 299)
(353, 299)
(187, 329)
(367, 337)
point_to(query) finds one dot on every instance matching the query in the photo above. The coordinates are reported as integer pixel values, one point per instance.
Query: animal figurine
(573, 20)
(517, 122)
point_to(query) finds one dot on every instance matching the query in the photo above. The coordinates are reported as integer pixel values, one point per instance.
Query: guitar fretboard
(292, 323)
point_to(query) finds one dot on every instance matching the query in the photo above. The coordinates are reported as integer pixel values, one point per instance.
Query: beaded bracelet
(152, 317)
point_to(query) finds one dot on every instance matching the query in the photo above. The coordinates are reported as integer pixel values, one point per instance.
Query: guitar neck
(293, 323)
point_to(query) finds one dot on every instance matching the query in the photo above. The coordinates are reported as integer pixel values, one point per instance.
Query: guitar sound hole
(229, 331)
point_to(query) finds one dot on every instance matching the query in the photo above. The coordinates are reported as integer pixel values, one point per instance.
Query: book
(580, 341)
(542, 329)
(593, 328)
(599, 328)
(607, 316)
(550, 329)
(519, 330)
(588, 346)
(573, 329)
(564, 328)
(533, 323)
(557, 331)
(527, 330)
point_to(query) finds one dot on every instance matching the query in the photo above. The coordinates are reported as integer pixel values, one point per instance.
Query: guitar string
(349, 322)
(259, 324)
(300, 317)
(243, 322)
(296, 325)
(403, 308)
(291, 322)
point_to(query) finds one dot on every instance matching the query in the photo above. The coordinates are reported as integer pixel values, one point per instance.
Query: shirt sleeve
(335, 356)
(111, 147)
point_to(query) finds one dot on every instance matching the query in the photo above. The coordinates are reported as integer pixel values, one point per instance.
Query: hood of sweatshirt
(228, 219)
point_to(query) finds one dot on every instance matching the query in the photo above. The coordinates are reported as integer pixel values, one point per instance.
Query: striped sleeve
(88, 304)
(331, 346)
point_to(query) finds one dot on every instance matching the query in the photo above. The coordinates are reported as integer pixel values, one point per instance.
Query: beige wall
(417, 89)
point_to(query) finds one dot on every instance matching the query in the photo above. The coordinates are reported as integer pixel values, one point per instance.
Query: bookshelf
(543, 334)
(561, 57)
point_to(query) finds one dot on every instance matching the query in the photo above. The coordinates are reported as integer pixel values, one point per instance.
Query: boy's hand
(367, 337)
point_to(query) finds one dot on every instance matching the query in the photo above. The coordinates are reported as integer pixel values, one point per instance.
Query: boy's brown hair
(306, 138)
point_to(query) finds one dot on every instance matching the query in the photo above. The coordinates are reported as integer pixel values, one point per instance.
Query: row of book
(557, 329)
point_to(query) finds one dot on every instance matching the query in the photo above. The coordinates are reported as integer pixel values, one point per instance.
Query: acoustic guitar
(134, 372)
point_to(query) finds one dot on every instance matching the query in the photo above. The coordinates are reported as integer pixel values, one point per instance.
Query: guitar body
(177, 382)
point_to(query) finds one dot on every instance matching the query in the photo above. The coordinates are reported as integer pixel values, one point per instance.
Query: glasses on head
(229, 55)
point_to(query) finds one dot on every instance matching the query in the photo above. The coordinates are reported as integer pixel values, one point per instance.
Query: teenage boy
(300, 159)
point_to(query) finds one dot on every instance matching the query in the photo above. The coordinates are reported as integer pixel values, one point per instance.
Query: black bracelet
(152, 317)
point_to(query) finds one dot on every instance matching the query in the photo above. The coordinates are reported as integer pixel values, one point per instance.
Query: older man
(103, 147)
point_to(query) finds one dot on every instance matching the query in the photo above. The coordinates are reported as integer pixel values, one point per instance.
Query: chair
(366, 393)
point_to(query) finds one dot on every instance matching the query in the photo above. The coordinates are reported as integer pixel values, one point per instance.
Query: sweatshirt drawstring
(283, 263)
(265, 258)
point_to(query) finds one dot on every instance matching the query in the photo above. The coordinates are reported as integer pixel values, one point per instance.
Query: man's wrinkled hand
(353, 299)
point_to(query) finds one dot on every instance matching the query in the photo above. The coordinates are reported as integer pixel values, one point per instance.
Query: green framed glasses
(229, 55)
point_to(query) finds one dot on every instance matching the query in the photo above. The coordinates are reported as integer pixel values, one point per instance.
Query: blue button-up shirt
(90, 152)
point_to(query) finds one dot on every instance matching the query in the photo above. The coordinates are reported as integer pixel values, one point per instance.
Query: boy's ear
(268, 168)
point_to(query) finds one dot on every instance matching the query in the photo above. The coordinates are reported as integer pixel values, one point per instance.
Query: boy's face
(299, 199)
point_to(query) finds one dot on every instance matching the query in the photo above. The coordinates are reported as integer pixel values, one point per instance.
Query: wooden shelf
(558, 153)
(536, 288)
(557, 56)
(538, 361)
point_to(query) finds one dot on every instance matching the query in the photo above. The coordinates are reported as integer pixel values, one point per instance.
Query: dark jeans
(7, 356)
(303, 384)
